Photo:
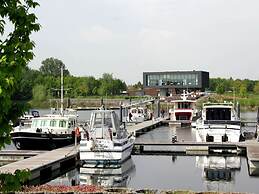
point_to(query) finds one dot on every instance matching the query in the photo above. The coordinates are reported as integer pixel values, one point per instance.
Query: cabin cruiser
(219, 122)
(105, 140)
(110, 175)
(138, 114)
(46, 132)
(183, 110)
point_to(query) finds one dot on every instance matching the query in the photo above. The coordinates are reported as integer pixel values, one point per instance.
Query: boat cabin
(53, 122)
(105, 124)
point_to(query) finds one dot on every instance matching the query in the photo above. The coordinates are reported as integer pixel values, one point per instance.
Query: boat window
(35, 123)
(62, 123)
(184, 105)
(43, 123)
(102, 119)
(116, 121)
(218, 114)
(53, 123)
(98, 120)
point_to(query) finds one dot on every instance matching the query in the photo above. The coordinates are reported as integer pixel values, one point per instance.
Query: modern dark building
(174, 82)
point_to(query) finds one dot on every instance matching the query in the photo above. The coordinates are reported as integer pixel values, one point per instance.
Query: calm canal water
(198, 173)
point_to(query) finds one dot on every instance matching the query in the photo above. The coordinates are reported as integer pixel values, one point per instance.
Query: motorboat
(137, 114)
(183, 110)
(105, 140)
(219, 122)
(108, 175)
(46, 132)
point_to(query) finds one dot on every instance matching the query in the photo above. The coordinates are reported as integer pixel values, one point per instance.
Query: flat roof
(154, 72)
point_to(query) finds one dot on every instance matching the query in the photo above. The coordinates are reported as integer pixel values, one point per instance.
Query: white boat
(105, 141)
(46, 132)
(219, 122)
(110, 175)
(137, 114)
(183, 110)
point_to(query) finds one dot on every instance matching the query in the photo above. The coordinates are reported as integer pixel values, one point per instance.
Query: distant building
(173, 82)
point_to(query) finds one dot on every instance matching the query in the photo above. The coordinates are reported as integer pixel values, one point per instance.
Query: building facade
(174, 82)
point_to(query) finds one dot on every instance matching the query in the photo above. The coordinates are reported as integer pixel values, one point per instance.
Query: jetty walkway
(43, 165)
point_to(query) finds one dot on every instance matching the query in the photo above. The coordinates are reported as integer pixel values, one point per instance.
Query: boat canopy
(104, 119)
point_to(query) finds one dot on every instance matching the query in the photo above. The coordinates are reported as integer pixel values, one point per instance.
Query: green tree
(138, 85)
(256, 88)
(52, 66)
(39, 93)
(243, 90)
(15, 53)
(220, 88)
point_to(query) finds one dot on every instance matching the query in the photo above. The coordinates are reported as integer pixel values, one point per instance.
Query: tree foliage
(238, 86)
(52, 66)
(13, 182)
(15, 53)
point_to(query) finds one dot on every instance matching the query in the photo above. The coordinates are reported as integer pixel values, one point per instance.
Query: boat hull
(109, 155)
(218, 134)
(40, 141)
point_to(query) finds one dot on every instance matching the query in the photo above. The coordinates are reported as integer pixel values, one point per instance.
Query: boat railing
(223, 122)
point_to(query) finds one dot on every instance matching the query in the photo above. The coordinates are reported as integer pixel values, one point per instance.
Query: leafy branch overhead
(15, 53)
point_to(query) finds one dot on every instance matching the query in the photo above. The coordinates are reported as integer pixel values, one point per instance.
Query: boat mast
(62, 90)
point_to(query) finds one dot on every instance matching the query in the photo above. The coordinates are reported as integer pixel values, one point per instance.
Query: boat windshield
(218, 113)
(41, 123)
(102, 119)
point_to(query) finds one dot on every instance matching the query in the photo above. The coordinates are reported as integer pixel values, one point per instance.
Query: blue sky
(127, 37)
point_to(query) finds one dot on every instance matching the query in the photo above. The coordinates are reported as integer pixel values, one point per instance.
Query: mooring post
(121, 117)
(158, 108)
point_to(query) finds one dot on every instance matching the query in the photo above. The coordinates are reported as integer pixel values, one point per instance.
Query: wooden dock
(187, 148)
(252, 150)
(44, 165)
(144, 127)
(15, 155)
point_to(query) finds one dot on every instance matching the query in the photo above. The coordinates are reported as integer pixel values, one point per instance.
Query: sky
(129, 37)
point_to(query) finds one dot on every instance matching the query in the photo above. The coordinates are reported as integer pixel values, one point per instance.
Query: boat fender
(77, 133)
(110, 132)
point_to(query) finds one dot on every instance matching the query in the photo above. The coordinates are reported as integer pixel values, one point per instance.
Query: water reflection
(219, 171)
(108, 175)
